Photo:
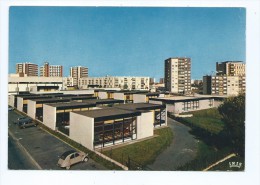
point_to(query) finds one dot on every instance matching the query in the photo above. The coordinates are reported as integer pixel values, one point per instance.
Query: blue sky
(126, 41)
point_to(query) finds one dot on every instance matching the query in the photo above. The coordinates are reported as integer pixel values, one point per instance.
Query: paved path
(181, 151)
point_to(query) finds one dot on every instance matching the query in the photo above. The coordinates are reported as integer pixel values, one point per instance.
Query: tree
(125, 86)
(233, 113)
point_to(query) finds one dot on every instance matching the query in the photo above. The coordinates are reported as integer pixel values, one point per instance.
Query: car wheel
(85, 159)
(67, 167)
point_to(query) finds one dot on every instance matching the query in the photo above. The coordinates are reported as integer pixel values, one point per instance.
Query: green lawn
(209, 120)
(143, 152)
(206, 156)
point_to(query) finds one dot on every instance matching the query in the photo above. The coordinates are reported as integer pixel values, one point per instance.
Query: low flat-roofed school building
(56, 115)
(127, 96)
(35, 106)
(108, 126)
(159, 112)
(179, 104)
(144, 97)
(23, 100)
(104, 94)
(104, 102)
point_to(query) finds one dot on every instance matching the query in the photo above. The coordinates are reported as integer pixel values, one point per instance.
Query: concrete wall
(161, 96)
(102, 95)
(177, 108)
(49, 116)
(11, 100)
(19, 87)
(204, 104)
(20, 104)
(145, 125)
(78, 92)
(31, 109)
(119, 96)
(82, 130)
(217, 103)
(139, 98)
(156, 102)
(24, 83)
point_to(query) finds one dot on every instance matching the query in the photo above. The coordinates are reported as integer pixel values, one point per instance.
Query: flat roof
(132, 92)
(71, 104)
(185, 98)
(102, 101)
(151, 93)
(50, 100)
(65, 95)
(83, 97)
(108, 113)
(139, 106)
(35, 97)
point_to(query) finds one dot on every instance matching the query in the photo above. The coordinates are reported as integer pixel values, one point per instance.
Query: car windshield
(64, 155)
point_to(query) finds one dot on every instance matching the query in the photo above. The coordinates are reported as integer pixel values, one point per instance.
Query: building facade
(27, 69)
(228, 85)
(231, 68)
(127, 83)
(48, 70)
(17, 84)
(207, 84)
(78, 72)
(178, 75)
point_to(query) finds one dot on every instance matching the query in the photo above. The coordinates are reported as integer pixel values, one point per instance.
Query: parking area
(43, 148)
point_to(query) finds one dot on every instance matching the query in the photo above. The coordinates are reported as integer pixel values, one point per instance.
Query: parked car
(10, 108)
(25, 123)
(70, 158)
(20, 119)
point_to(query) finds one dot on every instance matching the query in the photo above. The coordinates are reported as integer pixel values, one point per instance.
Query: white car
(71, 157)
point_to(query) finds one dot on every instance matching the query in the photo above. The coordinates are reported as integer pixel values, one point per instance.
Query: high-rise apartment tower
(48, 70)
(177, 75)
(27, 69)
(231, 68)
(78, 72)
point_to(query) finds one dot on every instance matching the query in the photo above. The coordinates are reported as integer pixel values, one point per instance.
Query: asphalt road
(17, 157)
(40, 150)
(182, 149)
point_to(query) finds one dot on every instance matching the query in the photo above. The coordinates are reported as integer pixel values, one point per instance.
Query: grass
(144, 152)
(206, 156)
(208, 120)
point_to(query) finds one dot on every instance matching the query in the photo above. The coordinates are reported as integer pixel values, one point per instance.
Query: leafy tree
(233, 112)
(125, 86)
